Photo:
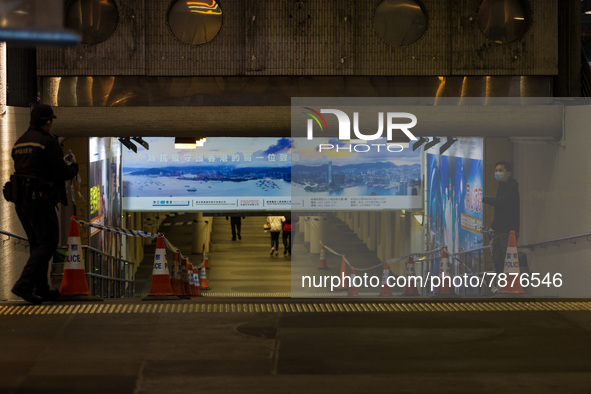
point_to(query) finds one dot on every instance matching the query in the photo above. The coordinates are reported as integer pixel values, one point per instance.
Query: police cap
(42, 112)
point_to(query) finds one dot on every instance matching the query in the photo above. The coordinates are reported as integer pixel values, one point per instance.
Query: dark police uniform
(39, 178)
(506, 218)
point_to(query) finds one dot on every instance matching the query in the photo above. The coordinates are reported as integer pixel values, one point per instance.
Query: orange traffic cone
(161, 288)
(386, 290)
(411, 285)
(74, 285)
(185, 275)
(197, 289)
(176, 279)
(322, 262)
(445, 287)
(352, 292)
(342, 276)
(512, 270)
(203, 280)
(205, 258)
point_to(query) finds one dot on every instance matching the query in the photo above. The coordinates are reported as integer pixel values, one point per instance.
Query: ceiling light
(185, 143)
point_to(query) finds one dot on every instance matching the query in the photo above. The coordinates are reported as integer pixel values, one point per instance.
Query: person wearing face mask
(506, 215)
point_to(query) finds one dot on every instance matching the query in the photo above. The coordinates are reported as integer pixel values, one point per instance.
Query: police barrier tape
(390, 261)
(429, 255)
(119, 230)
(135, 233)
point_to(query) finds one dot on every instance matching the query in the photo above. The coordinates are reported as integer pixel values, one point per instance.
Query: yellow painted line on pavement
(315, 306)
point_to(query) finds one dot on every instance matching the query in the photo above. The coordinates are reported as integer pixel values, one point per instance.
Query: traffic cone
(160, 288)
(445, 287)
(205, 258)
(352, 292)
(322, 262)
(386, 290)
(512, 267)
(203, 280)
(342, 276)
(191, 279)
(74, 285)
(176, 278)
(185, 275)
(197, 289)
(411, 288)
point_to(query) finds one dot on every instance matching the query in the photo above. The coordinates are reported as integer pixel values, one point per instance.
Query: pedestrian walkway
(209, 345)
(245, 268)
(240, 268)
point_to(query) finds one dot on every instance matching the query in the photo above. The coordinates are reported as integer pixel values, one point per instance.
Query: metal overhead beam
(275, 121)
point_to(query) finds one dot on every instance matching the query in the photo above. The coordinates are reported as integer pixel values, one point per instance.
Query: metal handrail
(107, 285)
(106, 255)
(108, 276)
(554, 241)
(9, 234)
(428, 265)
(471, 250)
(457, 253)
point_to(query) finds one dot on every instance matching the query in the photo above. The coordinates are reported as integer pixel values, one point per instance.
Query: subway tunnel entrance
(240, 267)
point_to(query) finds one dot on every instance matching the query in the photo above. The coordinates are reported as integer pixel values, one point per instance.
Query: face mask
(499, 176)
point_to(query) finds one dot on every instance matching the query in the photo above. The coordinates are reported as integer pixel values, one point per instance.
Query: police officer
(40, 174)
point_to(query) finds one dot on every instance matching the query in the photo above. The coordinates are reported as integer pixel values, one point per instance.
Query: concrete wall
(13, 253)
(555, 187)
(332, 37)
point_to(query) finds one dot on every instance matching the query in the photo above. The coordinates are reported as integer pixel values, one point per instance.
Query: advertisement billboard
(355, 175)
(454, 196)
(105, 192)
(226, 174)
(241, 174)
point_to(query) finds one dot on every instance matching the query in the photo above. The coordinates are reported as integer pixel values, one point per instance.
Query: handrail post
(480, 270)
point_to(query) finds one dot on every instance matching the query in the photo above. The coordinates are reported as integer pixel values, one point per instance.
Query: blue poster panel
(454, 197)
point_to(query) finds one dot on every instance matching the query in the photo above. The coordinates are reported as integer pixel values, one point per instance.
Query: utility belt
(22, 188)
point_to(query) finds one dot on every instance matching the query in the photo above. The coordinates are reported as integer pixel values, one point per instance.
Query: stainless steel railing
(470, 262)
(556, 241)
(12, 235)
(108, 276)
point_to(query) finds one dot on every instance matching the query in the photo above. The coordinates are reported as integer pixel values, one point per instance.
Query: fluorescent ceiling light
(419, 218)
(188, 142)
